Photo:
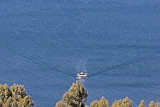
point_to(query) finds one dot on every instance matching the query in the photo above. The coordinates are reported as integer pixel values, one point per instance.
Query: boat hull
(81, 76)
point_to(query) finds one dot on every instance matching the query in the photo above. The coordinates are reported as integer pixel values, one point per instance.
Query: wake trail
(39, 62)
(142, 59)
(83, 23)
(60, 24)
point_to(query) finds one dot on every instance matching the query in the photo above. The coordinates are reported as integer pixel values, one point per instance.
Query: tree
(75, 97)
(5, 93)
(18, 90)
(117, 103)
(101, 103)
(94, 104)
(157, 104)
(126, 102)
(62, 104)
(14, 96)
(152, 104)
(142, 104)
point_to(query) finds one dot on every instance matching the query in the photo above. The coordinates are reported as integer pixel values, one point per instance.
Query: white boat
(81, 75)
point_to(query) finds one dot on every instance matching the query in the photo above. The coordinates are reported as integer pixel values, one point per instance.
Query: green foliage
(11, 102)
(141, 104)
(126, 102)
(152, 104)
(61, 104)
(101, 103)
(14, 96)
(5, 93)
(18, 90)
(75, 97)
(117, 103)
(94, 104)
(157, 104)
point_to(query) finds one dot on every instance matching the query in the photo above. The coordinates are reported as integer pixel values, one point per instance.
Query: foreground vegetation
(76, 97)
(15, 96)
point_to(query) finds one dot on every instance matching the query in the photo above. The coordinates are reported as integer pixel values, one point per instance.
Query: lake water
(43, 44)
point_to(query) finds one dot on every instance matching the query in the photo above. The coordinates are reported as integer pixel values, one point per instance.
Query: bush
(14, 96)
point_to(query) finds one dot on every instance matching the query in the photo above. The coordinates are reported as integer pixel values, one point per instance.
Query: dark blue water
(43, 44)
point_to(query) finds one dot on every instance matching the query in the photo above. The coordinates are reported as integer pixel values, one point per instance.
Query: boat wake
(81, 67)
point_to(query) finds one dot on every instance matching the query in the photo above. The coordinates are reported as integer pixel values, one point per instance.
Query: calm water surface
(43, 44)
